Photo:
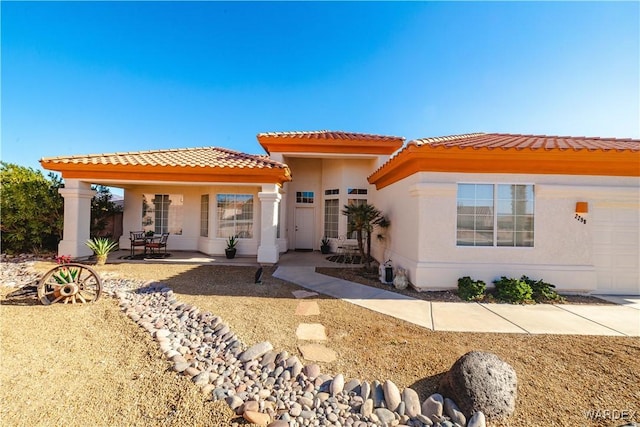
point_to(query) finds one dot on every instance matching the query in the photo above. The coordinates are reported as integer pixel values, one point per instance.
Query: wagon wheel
(69, 283)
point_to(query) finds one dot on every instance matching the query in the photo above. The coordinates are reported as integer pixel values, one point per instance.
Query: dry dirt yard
(90, 365)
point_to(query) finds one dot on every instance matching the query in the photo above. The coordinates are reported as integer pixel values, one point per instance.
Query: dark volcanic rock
(480, 381)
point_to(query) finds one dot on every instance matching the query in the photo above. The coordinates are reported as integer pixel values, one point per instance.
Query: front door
(304, 228)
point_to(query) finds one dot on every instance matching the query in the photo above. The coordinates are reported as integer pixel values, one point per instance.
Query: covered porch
(200, 196)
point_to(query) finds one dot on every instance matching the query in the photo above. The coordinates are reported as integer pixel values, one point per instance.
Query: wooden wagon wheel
(70, 283)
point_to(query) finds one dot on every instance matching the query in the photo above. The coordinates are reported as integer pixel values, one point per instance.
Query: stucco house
(562, 209)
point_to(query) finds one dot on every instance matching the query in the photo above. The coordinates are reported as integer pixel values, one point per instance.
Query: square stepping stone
(311, 332)
(304, 294)
(307, 308)
(317, 353)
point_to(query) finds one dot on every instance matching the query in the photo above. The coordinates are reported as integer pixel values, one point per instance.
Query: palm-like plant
(362, 219)
(101, 246)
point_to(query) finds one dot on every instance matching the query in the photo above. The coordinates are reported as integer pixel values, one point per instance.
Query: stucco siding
(574, 256)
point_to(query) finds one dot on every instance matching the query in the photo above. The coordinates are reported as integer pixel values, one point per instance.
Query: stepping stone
(304, 294)
(317, 353)
(311, 332)
(307, 308)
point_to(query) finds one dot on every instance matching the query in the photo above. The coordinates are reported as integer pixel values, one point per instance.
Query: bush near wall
(513, 290)
(508, 289)
(471, 290)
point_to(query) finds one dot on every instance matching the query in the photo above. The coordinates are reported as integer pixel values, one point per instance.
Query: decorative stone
(391, 395)
(234, 402)
(433, 406)
(412, 402)
(279, 423)
(317, 353)
(311, 332)
(481, 382)
(180, 366)
(311, 371)
(453, 412)
(257, 418)
(201, 379)
(367, 408)
(251, 406)
(365, 390)
(256, 351)
(352, 385)
(384, 415)
(424, 419)
(337, 385)
(377, 394)
(307, 308)
(477, 420)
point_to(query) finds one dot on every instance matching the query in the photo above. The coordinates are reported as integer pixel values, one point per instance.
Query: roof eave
(95, 173)
(426, 158)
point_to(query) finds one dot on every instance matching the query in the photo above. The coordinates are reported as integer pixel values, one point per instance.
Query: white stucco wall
(318, 175)
(190, 238)
(567, 253)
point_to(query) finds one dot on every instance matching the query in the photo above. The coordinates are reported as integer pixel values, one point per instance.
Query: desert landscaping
(88, 364)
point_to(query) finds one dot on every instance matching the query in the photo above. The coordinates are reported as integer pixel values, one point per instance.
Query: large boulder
(481, 381)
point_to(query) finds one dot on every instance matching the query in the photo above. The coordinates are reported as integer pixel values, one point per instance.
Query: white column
(268, 250)
(77, 218)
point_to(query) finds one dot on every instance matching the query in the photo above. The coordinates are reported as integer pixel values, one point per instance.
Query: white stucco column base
(77, 218)
(268, 252)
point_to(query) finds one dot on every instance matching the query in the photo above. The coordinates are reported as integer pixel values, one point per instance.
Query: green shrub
(512, 290)
(471, 290)
(542, 291)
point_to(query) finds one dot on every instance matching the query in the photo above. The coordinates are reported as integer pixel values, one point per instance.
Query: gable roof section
(508, 153)
(206, 164)
(326, 141)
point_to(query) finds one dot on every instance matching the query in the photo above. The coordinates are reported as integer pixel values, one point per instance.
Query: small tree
(32, 209)
(102, 208)
(362, 219)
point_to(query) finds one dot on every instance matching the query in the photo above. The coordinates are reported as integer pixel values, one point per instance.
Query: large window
(162, 213)
(331, 215)
(204, 215)
(495, 215)
(235, 215)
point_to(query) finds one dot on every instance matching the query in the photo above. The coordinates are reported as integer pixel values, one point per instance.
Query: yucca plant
(101, 246)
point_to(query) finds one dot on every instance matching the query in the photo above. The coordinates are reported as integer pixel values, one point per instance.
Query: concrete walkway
(614, 320)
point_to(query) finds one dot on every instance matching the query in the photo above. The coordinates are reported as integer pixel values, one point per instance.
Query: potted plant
(230, 251)
(325, 245)
(101, 247)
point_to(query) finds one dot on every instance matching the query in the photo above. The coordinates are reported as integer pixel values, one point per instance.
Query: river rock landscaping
(265, 385)
(144, 387)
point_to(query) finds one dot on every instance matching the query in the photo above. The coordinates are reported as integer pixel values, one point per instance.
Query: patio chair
(137, 238)
(343, 252)
(154, 246)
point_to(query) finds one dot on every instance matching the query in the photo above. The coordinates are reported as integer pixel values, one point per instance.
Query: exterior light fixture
(582, 209)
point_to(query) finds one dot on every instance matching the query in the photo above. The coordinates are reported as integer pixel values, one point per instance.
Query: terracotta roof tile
(328, 134)
(205, 157)
(533, 142)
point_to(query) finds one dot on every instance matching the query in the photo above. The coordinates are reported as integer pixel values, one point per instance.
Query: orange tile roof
(328, 134)
(205, 157)
(533, 142)
(326, 141)
(508, 153)
(190, 164)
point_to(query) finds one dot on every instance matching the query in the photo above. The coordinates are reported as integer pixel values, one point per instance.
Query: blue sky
(96, 77)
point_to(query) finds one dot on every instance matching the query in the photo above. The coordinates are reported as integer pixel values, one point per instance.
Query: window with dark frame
(306, 197)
